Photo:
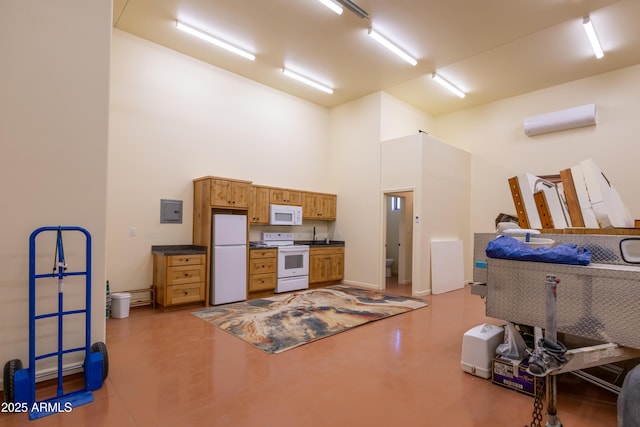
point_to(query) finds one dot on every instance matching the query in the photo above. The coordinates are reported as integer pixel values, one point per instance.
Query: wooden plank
(521, 211)
(202, 224)
(571, 197)
(543, 209)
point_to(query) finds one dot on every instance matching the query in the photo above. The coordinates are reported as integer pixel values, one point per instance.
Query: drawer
(194, 259)
(263, 253)
(261, 282)
(334, 250)
(185, 274)
(262, 265)
(181, 294)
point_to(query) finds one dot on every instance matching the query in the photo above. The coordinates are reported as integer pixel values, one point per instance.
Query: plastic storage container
(479, 347)
(120, 303)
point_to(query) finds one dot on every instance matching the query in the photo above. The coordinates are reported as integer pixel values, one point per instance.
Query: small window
(395, 203)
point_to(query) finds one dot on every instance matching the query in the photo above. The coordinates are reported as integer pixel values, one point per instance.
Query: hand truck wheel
(10, 368)
(100, 347)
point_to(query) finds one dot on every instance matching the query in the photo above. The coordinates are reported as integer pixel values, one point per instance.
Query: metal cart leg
(551, 334)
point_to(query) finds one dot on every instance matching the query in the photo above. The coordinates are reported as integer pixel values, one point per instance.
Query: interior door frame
(386, 194)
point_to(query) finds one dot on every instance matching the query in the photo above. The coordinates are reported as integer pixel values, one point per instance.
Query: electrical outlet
(132, 232)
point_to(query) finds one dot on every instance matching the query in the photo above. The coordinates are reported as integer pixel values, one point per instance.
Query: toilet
(389, 264)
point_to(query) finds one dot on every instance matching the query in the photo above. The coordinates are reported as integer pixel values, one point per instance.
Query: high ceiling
(491, 49)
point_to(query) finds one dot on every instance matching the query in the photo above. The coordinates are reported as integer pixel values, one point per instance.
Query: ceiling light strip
(448, 85)
(392, 47)
(354, 8)
(593, 37)
(209, 38)
(307, 81)
(333, 6)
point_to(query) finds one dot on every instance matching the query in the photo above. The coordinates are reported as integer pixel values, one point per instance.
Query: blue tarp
(506, 247)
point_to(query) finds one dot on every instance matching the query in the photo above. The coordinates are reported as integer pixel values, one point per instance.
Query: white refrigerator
(228, 259)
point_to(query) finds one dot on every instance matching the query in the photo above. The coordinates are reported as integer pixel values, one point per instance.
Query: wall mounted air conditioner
(570, 118)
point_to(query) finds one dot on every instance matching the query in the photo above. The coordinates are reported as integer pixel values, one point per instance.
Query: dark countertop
(310, 243)
(179, 250)
(320, 243)
(255, 246)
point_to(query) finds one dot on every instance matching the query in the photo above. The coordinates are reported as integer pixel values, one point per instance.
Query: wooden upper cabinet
(319, 206)
(284, 196)
(309, 206)
(226, 193)
(328, 206)
(258, 205)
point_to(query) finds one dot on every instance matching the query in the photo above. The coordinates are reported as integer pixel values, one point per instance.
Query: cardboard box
(513, 374)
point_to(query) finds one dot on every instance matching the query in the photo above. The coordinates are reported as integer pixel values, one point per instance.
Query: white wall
(356, 131)
(446, 200)
(173, 119)
(399, 119)
(354, 159)
(54, 121)
(439, 174)
(494, 135)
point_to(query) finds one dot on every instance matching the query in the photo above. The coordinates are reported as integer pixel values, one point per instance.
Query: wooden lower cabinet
(326, 265)
(263, 268)
(179, 279)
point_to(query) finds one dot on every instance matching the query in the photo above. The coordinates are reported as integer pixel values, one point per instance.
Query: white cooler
(479, 347)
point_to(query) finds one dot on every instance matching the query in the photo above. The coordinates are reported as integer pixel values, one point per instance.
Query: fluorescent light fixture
(307, 81)
(448, 85)
(333, 6)
(392, 47)
(593, 37)
(209, 38)
(354, 8)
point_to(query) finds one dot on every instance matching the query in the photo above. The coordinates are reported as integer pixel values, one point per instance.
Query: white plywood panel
(447, 266)
(580, 185)
(607, 204)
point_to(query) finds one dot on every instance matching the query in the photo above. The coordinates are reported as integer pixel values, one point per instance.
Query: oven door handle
(293, 249)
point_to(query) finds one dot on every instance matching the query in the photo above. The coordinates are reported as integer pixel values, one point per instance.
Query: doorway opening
(398, 242)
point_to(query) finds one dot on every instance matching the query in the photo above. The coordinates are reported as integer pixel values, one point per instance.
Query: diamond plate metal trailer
(598, 302)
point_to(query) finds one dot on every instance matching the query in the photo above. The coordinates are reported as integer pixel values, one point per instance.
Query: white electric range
(293, 261)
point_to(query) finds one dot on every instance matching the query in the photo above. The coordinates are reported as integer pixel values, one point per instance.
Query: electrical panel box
(170, 211)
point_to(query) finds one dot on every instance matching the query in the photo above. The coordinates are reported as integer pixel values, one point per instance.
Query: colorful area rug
(286, 321)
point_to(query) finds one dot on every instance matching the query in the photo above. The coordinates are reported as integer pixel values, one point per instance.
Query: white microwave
(285, 215)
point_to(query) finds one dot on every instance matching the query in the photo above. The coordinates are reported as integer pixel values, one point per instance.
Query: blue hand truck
(19, 383)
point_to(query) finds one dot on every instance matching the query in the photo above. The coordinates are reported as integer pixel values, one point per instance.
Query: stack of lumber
(580, 200)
